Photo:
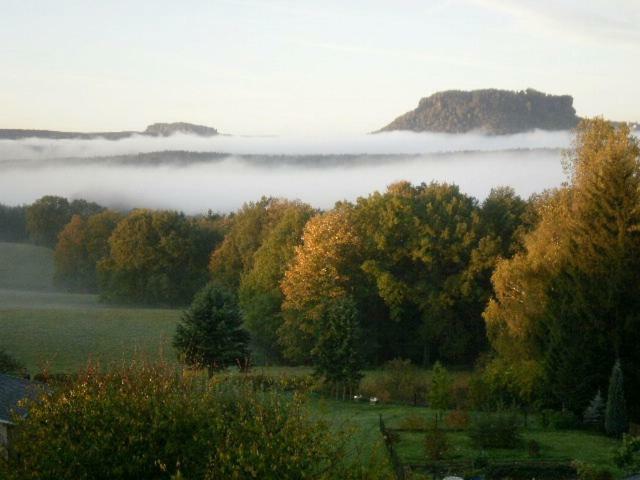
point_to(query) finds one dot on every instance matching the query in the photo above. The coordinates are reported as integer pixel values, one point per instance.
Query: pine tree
(594, 413)
(210, 334)
(337, 354)
(615, 421)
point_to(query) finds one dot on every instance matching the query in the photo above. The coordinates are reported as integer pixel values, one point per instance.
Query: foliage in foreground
(149, 421)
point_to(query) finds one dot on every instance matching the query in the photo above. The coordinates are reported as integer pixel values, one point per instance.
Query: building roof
(12, 390)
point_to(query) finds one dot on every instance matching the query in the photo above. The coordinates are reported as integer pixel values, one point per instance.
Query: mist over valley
(193, 173)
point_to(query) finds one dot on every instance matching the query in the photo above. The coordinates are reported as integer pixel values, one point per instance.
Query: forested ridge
(491, 111)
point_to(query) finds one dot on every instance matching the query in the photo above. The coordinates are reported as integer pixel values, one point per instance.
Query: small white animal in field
(357, 397)
(373, 400)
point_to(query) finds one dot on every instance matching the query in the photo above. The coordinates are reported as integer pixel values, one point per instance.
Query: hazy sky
(303, 67)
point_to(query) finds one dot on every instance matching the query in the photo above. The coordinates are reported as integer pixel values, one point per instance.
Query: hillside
(154, 130)
(495, 112)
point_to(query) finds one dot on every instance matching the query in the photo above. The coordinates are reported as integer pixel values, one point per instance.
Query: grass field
(60, 331)
(25, 267)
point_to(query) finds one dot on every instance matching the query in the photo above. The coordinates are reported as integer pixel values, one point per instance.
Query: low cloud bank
(226, 184)
(383, 143)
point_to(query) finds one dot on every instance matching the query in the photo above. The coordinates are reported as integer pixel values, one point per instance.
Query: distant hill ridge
(490, 111)
(154, 130)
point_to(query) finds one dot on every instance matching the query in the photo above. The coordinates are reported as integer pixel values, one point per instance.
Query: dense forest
(539, 294)
(153, 130)
(491, 111)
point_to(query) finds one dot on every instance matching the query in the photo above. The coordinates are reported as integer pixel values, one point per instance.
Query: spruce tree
(594, 413)
(615, 421)
(210, 334)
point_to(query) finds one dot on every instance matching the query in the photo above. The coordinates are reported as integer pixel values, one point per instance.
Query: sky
(310, 68)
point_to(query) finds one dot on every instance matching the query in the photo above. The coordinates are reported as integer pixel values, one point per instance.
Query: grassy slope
(43, 328)
(25, 267)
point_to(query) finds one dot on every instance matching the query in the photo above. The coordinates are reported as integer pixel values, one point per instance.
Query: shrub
(436, 444)
(399, 381)
(627, 456)
(149, 421)
(565, 420)
(415, 422)
(533, 448)
(495, 431)
(457, 420)
(529, 470)
(591, 472)
(8, 364)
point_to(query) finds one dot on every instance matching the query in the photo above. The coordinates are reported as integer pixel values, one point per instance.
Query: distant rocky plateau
(490, 111)
(155, 130)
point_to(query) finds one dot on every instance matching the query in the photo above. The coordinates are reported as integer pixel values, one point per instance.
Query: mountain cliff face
(495, 112)
(155, 130)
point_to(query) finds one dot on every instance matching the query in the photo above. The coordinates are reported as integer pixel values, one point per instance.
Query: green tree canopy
(46, 217)
(82, 244)
(156, 257)
(259, 292)
(337, 355)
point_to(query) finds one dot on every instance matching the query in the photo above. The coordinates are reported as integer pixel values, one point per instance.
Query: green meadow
(60, 332)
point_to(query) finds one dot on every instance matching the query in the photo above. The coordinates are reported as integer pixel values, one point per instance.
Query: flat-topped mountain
(167, 129)
(155, 130)
(490, 111)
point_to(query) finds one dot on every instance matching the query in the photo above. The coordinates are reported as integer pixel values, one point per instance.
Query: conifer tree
(594, 413)
(615, 420)
(210, 334)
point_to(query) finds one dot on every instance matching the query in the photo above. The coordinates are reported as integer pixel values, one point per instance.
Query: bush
(495, 431)
(457, 420)
(149, 421)
(533, 448)
(627, 456)
(399, 381)
(591, 472)
(529, 470)
(436, 444)
(563, 420)
(9, 365)
(415, 422)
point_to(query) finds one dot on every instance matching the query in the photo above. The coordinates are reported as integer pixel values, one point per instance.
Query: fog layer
(382, 143)
(307, 169)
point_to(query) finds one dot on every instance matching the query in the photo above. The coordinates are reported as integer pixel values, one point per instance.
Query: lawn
(555, 445)
(362, 420)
